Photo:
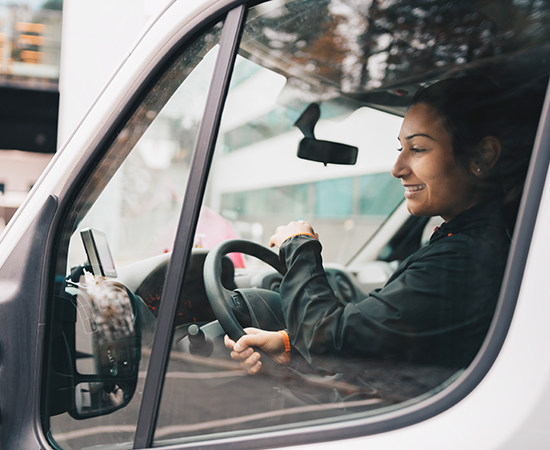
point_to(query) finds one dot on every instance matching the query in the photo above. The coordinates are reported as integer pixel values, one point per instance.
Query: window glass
(367, 335)
(114, 247)
(334, 198)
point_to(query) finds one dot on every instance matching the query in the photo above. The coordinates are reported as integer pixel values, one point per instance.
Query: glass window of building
(30, 42)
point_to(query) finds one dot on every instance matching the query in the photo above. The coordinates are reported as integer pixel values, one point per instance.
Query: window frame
(345, 429)
(198, 174)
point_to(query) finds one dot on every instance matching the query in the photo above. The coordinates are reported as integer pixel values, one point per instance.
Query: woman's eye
(412, 149)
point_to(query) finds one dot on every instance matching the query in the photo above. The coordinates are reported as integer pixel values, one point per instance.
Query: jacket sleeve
(423, 304)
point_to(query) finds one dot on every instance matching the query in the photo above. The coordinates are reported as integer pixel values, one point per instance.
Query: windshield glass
(361, 63)
(258, 182)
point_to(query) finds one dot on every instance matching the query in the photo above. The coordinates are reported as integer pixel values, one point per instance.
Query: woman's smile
(410, 191)
(435, 184)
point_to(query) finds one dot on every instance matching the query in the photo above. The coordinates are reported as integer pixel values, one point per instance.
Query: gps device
(98, 252)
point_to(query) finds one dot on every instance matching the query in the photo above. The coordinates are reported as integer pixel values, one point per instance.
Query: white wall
(96, 36)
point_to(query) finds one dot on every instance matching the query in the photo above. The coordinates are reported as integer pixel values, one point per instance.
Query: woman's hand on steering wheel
(270, 342)
(284, 232)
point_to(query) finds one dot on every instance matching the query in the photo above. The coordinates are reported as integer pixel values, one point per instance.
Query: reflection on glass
(92, 398)
(258, 183)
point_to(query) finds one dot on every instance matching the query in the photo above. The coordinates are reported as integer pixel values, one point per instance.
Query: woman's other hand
(282, 233)
(270, 342)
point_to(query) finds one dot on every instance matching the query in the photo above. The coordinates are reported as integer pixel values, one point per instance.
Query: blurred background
(55, 58)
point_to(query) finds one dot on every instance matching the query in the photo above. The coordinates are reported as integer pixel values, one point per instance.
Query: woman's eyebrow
(408, 138)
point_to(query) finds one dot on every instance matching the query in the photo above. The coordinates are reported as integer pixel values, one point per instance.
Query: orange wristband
(300, 234)
(287, 346)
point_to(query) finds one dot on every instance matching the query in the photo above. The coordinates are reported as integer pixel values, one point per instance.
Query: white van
(227, 119)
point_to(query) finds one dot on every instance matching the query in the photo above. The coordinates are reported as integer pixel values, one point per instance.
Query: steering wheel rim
(219, 297)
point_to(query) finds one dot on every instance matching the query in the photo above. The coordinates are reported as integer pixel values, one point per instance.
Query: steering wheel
(228, 305)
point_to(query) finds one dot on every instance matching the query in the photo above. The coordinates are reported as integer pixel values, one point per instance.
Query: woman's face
(435, 185)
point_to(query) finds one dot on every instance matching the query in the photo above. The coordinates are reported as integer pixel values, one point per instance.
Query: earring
(478, 169)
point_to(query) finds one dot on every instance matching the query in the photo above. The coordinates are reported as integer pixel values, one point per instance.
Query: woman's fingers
(252, 338)
(244, 349)
(247, 357)
(282, 233)
(242, 355)
(253, 370)
(229, 343)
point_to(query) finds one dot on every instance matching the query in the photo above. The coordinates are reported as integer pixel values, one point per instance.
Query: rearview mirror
(327, 152)
(313, 149)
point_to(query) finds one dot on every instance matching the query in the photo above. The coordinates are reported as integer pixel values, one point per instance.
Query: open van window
(354, 118)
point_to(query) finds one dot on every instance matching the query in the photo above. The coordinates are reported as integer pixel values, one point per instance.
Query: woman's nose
(400, 167)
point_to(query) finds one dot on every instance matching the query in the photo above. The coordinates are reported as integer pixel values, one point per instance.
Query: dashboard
(147, 278)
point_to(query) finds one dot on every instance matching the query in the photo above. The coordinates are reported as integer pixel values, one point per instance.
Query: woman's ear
(486, 155)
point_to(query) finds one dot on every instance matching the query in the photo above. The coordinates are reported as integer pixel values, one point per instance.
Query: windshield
(259, 183)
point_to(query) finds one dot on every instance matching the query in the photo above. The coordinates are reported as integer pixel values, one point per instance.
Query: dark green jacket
(435, 309)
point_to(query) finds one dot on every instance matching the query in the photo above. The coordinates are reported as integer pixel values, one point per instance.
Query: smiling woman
(452, 139)
(435, 185)
(477, 144)
(437, 306)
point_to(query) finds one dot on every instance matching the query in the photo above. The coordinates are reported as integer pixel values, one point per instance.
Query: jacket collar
(486, 213)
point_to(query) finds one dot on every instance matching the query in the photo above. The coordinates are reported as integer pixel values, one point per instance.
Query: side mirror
(313, 149)
(108, 348)
(96, 344)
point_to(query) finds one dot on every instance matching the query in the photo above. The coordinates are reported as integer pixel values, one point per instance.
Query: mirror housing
(97, 346)
(313, 149)
(111, 319)
(327, 152)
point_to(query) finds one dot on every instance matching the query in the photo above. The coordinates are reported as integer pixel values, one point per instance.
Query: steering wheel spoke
(239, 308)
